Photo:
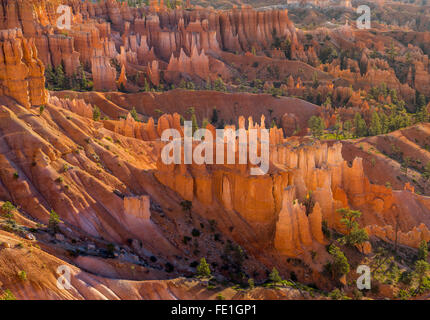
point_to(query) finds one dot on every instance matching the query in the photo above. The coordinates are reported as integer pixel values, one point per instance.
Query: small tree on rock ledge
(203, 269)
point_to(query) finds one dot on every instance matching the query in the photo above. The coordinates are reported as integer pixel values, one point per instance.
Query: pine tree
(274, 276)
(392, 52)
(203, 269)
(146, 86)
(49, 75)
(208, 85)
(214, 119)
(60, 78)
(360, 126)
(134, 114)
(421, 270)
(317, 126)
(219, 85)
(194, 123)
(421, 113)
(405, 165)
(340, 265)
(421, 101)
(423, 251)
(96, 113)
(347, 129)
(337, 128)
(375, 125)
(354, 234)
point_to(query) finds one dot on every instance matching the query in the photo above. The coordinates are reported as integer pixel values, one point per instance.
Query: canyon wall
(178, 39)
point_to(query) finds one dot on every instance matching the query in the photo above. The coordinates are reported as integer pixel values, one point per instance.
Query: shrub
(220, 297)
(403, 294)
(186, 239)
(325, 229)
(96, 113)
(219, 85)
(7, 209)
(54, 221)
(234, 256)
(7, 295)
(186, 205)
(309, 203)
(406, 277)
(169, 267)
(336, 294)
(195, 233)
(358, 295)
(22, 275)
(251, 283)
(110, 248)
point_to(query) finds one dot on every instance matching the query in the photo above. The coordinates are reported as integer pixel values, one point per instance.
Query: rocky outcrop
(76, 106)
(314, 173)
(412, 238)
(245, 28)
(62, 52)
(195, 64)
(295, 231)
(21, 71)
(144, 131)
(104, 75)
(137, 206)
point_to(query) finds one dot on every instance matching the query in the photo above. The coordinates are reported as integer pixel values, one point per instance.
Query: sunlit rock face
(276, 201)
(21, 72)
(178, 39)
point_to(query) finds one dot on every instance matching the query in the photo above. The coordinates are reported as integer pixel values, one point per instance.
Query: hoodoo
(172, 150)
